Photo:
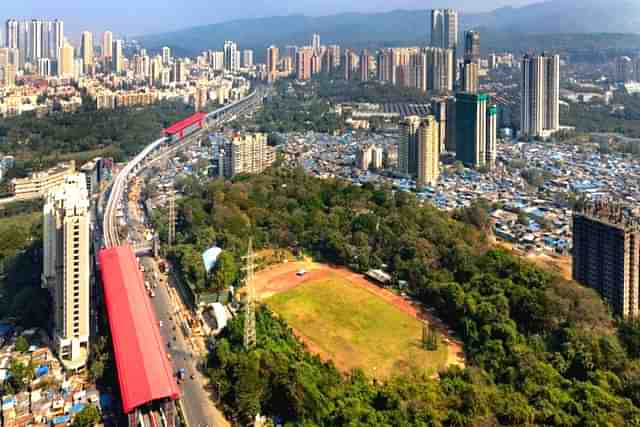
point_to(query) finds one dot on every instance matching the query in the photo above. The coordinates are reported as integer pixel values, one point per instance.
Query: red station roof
(183, 124)
(144, 372)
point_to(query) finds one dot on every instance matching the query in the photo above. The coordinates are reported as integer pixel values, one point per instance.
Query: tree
(20, 375)
(225, 272)
(22, 345)
(88, 417)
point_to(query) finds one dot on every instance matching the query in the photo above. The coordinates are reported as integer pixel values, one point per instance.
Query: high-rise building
(364, 65)
(217, 60)
(624, 69)
(117, 58)
(440, 69)
(303, 62)
(444, 29)
(231, 56)
(475, 123)
(35, 39)
(247, 58)
(369, 156)
(11, 34)
(67, 272)
(350, 64)
(7, 75)
(291, 51)
(107, 46)
(57, 38)
(87, 50)
(272, 63)
(385, 65)
(407, 150)
(540, 96)
(243, 154)
(333, 57)
(491, 145)
(9, 56)
(636, 70)
(179, 73)
(472, 46)
(315, 43)
(470, 76)
(166, 55)
(606, 255)
(65, 60)
(44, 67)
(428, 153)
(440, 110)
(23, 41)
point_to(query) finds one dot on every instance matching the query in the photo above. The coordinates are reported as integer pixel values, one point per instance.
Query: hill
(506, 27)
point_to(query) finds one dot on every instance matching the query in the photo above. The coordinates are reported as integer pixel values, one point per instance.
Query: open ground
(342, 316)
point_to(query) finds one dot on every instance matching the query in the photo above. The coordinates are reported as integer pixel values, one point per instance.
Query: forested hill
(572, 24)
(542, 351)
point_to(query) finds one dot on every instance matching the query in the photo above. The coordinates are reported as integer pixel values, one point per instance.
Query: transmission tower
(172, 218)
(250, 306)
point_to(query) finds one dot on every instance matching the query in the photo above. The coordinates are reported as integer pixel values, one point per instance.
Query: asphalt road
(197, 403)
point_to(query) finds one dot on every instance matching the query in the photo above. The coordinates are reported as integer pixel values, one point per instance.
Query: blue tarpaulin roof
(77, 407)
(61, 419)
(42, 370)
(210, 256)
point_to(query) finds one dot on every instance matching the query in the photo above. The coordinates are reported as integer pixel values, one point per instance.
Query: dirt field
(282, 278)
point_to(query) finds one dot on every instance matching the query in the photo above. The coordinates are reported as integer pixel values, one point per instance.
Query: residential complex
(540, 95)
(243, 154)
(428, 153)
(476, 127)
(444, 28)
(67, 271)
(39, 184)
(606, 255)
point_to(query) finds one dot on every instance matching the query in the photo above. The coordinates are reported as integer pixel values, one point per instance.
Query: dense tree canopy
(541, 351)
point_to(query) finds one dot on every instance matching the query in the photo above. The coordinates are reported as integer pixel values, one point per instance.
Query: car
(301, 272)
(160, 323)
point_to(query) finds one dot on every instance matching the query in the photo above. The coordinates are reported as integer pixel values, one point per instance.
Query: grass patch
(356, 328)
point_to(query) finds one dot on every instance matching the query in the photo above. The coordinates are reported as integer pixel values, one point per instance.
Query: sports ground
(342, 316)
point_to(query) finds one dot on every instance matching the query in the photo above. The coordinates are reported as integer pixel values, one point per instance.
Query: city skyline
(98, 17)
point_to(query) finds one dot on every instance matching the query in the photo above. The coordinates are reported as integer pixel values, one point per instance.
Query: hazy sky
(135, 17)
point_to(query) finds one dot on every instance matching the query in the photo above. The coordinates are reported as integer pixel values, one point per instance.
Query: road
(198, 406)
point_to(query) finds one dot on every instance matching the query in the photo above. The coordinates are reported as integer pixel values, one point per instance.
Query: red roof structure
(144, 371)
(177, 127)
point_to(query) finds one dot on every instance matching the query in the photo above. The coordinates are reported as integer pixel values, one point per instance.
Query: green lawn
(356, 328)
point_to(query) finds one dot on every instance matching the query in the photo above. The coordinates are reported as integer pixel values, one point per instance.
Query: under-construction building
(606, 254)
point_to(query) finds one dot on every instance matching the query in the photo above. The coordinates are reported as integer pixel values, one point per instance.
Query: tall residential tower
(540, 97)
(67, 272)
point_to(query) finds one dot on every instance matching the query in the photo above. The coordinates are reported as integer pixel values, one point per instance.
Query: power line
(250, 307)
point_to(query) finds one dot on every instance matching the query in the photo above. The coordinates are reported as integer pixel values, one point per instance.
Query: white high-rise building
(231, 56)
(444, 28)
(23, 41)
(57, 38)
(44, 67)
(315, 43)
(67, 271)
(166, 55)
(35, 39)
(11, 34)
(540, 96)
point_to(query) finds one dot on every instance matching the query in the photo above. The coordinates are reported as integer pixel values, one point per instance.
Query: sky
(139, 17)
